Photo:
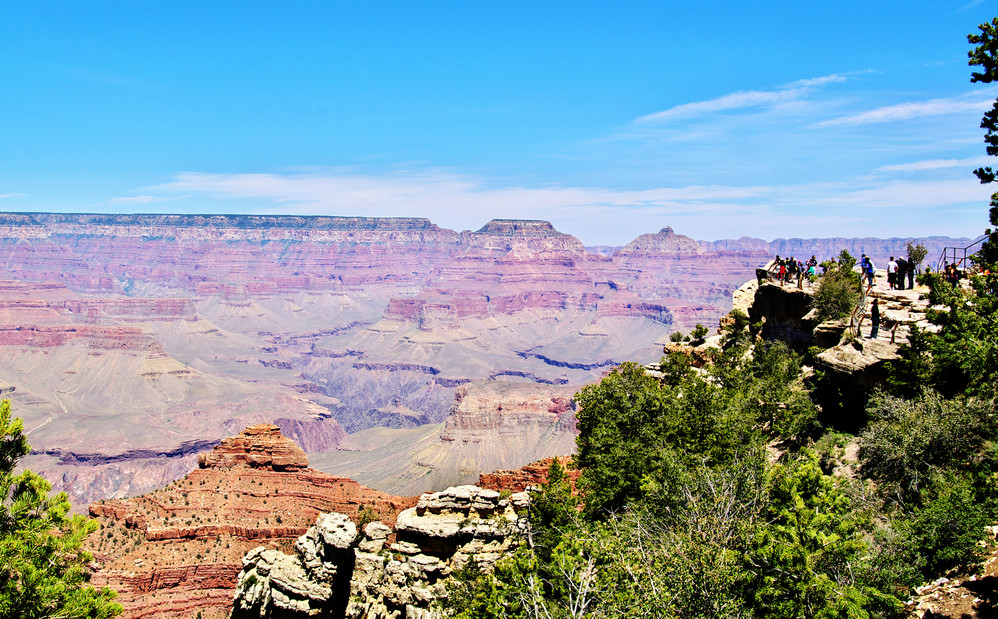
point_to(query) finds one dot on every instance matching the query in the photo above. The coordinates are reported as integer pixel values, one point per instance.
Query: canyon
(395, 352)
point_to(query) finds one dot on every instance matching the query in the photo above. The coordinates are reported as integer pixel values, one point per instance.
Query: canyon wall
(130, 343)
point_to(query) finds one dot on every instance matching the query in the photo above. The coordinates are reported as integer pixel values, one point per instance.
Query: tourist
(892, 273)
(875, 319)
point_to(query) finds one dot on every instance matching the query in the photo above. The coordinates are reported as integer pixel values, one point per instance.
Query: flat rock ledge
(336, 572)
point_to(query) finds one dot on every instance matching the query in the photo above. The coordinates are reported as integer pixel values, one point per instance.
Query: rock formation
(133, 342)
(665, 241)
(260, 447)
(334, 573)
(854, 363)
(177, 551)
(491, 425)
(532, 475)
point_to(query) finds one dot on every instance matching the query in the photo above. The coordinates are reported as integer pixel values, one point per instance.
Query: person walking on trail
(875, 319)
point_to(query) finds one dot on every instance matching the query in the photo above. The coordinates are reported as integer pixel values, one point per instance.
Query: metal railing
(959, 256)
(856, 318)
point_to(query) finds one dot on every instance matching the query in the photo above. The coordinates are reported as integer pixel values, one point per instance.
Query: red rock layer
(529, 476)
(177, 551)
(261, 447)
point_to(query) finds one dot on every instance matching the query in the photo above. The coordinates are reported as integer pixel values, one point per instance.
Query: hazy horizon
(609, 122)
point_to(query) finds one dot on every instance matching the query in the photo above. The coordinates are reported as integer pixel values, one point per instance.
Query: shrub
(837, 294)
(907, 441)
(948, 529)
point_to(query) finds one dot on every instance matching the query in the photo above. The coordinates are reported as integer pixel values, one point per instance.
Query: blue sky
(776, 119)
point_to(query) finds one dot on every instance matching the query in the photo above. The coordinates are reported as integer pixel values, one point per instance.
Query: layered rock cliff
(177, 551)
(128, 338)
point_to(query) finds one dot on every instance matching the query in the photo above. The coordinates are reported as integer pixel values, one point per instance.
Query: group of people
(952, 274)
(899, 270)
(789, 269)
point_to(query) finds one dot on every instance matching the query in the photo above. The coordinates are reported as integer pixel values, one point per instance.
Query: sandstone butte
(177, 551)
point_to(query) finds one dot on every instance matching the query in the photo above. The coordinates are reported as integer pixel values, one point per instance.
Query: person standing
(875, 319)
(902, 271)
(892, 274)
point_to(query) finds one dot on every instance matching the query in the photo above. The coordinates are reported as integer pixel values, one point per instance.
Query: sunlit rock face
(131, 343)
(177, 551)
(336, 573)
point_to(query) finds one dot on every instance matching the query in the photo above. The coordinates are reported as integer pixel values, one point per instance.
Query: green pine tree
(43, 569)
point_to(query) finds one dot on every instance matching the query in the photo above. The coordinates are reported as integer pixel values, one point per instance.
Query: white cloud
(600, 215)
(973, 102)
(936, 164)
(12, 195)
(787, 93)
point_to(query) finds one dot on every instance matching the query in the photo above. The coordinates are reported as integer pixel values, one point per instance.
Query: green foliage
(909, 441)
(846, 261)
(699, 333)
(893, 564)
(621, 426)
(965, 352)
(947, 528)
(635, 432)
(769, 388)
(738, 334)
(985, 55)
(916, 253)
(830, 449)
(676, 337)
(837, 294)
(552, 511)
(912, 371)
(805, 552)
(43, 571)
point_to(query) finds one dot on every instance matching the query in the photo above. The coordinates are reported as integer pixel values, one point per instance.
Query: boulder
(335, 574)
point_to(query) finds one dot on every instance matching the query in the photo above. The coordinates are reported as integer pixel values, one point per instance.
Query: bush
(837, 294)
(948, 529)
(908, 441)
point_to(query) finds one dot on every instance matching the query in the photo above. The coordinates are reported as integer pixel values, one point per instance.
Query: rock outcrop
(334, 573)
(261, 447)
(177, 551)
(786, 314)
(853, 362)
(532, 475)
